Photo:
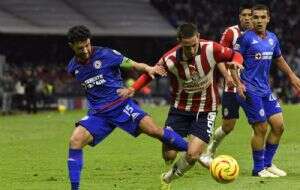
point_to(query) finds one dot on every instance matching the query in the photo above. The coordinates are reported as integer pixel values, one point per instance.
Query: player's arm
(128, 64)
(228, 79)
(142, 81)
(230, 57)
(284, 67)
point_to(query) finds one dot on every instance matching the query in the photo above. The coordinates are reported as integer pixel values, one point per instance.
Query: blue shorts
(230, 105)
(189, 123)
(126, 116)
(259, 109)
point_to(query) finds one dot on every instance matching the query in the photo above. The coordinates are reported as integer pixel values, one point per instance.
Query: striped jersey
(229, 38)
(192, 82)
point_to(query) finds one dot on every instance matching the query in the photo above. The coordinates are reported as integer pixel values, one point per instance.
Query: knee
(278, 130)
(77, 141)
(260, 130)
(154, 132)
(192, 156)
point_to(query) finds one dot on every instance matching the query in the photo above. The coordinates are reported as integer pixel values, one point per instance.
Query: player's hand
(295, 81)
(241, 89)
(155, 70)
(126, 92)
(234, 65)
(229, 81)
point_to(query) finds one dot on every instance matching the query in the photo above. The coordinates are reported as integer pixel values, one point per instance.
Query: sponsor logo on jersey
(97, 64)
(263, 55)
(94, 81)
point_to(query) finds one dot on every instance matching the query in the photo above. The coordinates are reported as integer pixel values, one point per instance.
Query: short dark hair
(261, 7)
(245, 6)
(78, 33)
(186, 30)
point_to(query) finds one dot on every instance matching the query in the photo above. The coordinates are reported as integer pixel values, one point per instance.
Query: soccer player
(97, 69)
(190, 67)
(230, 105)
(258, 47)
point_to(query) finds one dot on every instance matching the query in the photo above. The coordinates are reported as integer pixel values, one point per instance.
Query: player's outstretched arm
(284, 67)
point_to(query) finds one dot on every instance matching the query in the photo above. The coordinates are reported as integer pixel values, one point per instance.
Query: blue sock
(172, 139)
(269, 153)
(75, 163)
(258, 159)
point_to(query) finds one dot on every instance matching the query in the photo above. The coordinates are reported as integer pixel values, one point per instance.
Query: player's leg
(90, 130)
(275, 119)
(166, 135)
(254, 110)
(134, 120)
(180, 122)
(201, 130)
(230, 113)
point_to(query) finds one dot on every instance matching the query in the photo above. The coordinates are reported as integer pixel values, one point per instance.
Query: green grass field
(34, 150)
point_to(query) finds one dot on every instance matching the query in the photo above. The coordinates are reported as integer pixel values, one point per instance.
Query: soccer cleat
(163, 184)
(206, 159)
(264, 173)
(274, 170)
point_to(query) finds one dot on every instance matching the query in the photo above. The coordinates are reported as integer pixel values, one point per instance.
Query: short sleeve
(114, 57)
(277, 50)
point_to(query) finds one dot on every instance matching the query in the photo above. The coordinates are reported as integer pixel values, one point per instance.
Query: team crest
(271, 41)
(262, 112)
(97, 64)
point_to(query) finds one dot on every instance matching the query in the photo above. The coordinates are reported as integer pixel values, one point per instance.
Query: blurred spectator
(30, 83)
(7, 83)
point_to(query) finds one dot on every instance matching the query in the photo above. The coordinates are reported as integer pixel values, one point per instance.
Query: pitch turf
(34, 150)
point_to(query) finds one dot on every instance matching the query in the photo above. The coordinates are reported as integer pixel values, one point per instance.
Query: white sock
(179, 168)
(217, 138)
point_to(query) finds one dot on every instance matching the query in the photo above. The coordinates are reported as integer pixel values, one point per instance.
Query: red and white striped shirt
(192, 82)
(229, 38)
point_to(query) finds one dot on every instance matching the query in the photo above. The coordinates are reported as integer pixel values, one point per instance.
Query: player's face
(245, 19)
(82, 49)
(190, 46)
(260, 20)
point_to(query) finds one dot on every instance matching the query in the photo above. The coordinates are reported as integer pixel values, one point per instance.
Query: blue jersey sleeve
(277, 50)
(241, 44)
(70, 67)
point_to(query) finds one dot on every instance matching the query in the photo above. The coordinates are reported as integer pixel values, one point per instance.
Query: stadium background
(34, 50)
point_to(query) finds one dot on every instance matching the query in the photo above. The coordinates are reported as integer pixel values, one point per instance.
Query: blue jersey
(258, 54)
(100, 76)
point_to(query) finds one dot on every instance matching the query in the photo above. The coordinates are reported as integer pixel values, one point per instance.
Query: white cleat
(206, 159)
(265, 173)
(274, 170)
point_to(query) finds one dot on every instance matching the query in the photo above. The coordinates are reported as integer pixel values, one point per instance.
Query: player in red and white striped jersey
(190, 67)
(230, 106)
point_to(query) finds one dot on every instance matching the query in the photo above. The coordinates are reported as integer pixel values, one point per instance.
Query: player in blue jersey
(97, 69)
(259, 47)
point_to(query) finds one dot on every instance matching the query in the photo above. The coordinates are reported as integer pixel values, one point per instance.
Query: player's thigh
(253, 108)
(195, 148)
(80, 137)
(203, 125)
(97, 126)
(179, 121)
(129, 117)
(272, 108)
(230, 106)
